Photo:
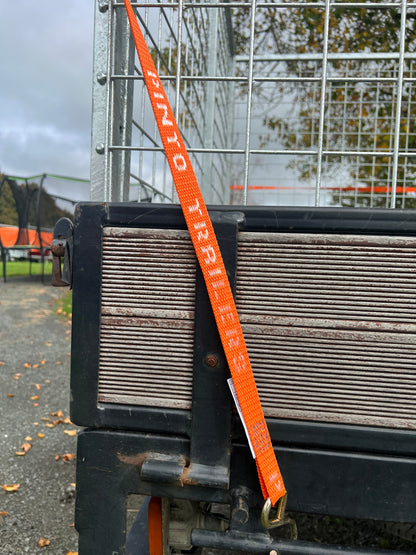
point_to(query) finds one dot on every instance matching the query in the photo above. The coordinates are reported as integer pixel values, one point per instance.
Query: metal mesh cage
(284, 103)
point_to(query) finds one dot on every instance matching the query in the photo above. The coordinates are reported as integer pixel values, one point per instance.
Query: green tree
(8, 212)
(49, 212)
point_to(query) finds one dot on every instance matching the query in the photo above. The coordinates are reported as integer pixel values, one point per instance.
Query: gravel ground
(34, 384)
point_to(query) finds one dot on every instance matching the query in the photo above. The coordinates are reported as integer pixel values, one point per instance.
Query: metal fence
(279, 102)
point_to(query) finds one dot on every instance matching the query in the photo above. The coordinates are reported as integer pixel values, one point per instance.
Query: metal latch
(62, 247)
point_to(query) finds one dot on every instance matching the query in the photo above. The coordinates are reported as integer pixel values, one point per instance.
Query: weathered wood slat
(328, 320)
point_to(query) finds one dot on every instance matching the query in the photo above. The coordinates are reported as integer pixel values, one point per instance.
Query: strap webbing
(212, 266)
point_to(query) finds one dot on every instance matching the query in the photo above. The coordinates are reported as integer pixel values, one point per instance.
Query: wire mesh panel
(332, 100)
(279, 102)
(191, 45)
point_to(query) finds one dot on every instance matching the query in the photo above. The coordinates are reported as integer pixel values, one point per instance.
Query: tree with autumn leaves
(360, 96)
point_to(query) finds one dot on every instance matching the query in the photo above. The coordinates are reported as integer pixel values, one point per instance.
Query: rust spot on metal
(212, 361)
(58, 247)
(133, 460)
(58, 250)
(187, 480)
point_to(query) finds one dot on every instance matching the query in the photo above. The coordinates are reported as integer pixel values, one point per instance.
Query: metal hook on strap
(280, 518)
(280, 513)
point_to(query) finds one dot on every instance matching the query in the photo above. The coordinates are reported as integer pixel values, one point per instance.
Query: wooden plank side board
(328, 321)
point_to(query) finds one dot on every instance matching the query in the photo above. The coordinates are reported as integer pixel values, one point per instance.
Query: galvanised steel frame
(125, 142)
(225, 96)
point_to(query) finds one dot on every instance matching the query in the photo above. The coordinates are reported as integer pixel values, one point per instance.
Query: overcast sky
(45, 90)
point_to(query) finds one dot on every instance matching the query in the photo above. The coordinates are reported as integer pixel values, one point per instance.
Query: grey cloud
(45, 92)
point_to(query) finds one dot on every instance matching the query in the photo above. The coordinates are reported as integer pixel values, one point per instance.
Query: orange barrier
(28, 237)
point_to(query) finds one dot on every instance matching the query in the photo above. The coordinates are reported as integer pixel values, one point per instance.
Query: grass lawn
(21, 268)
(65, 304)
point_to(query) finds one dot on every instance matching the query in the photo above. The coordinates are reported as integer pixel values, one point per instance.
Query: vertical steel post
(122, 107)
(249, 101)
(178, 76)
(322, 104)
(398, 103)
(112, 104)
(206, 184)
(100, 91)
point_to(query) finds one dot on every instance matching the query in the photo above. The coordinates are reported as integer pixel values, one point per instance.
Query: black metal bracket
(163, 469)
(263, 544)
(108, 470)
(210, 446)
(62, 247)
(211, 400)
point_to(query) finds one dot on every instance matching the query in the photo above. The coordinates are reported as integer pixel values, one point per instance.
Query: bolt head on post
(212, 361)
(103, 5)
(100, 148)
(101, 78)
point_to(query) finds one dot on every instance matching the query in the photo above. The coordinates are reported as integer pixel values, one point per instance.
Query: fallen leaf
(27, 365)
(58, 413)
(52, 423)
(35, 397)
(28, 438)
(68, 331)
(70, 432)
(47, 381)
(73, 484)
(24, 448)
(40, 435)
(48, 343)
(11, 488)
(36, 423)
(2, 363)
(36, 366)
(42, 361)
(38, 386)
(17, 376)
(66, 457)
(10, 395)
(35, 404)
(72, 552)
(43, 542)
(4, 513)
(58, 362)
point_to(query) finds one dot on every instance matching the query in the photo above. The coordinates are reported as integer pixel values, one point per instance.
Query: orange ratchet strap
(212, 266)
